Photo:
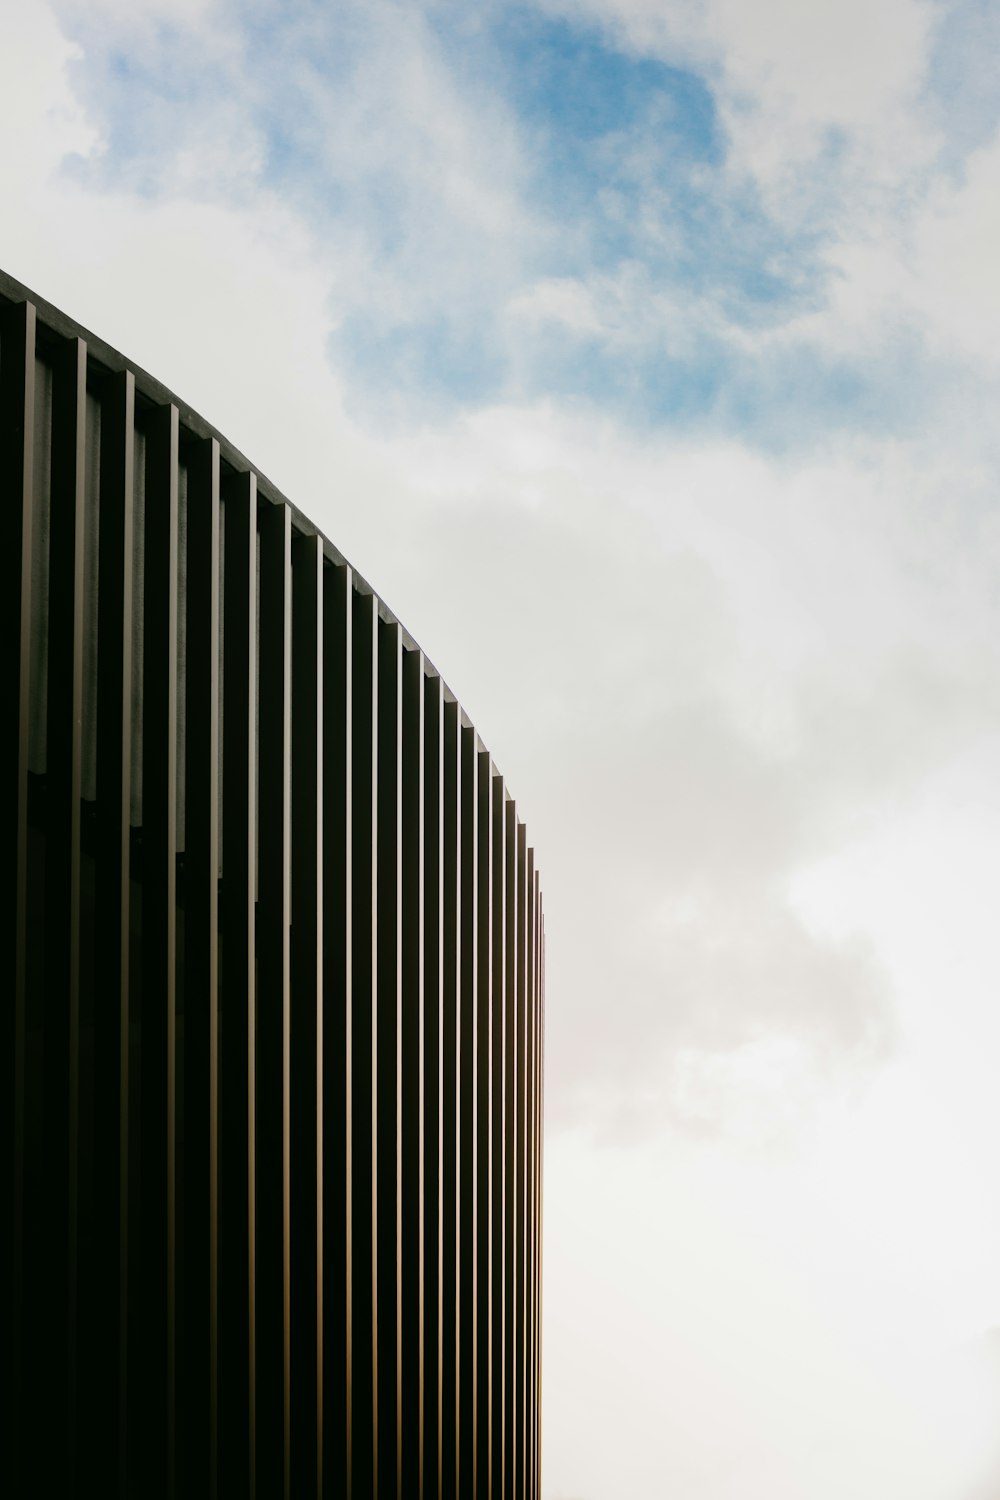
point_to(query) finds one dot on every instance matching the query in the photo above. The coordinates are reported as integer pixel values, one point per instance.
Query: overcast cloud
(645, 356)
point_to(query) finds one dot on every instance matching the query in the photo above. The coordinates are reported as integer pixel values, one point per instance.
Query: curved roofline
(102, 359)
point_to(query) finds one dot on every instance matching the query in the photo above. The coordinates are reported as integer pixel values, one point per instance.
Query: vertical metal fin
(271, 1129)
(467, 1120)
(157, 1000)
(364, 1085)
(483, 874)
(450, 1194)
(306, 1097)
(113, 1294)
(521, 1220)
(336, 1382)
(237, 1343)
(432, 876)
(200, 1386)
(61, 959)
(499, 1115)
(17, 424)
(387, 1121)
(529, 1176)
(512, 1100)
(411, 1082)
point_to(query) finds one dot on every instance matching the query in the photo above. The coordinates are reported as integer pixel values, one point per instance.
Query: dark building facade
(273, 1003)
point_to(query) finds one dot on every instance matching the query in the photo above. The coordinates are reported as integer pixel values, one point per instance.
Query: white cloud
(788, 73)
(956, 245)
(562, 300)
(758, 1326)
(718, 668)
(922, 277)
(39, 114)
(828, 115)
(748, 721)
(729, 692)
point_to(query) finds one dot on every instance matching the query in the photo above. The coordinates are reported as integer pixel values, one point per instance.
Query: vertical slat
(451, 1205)
(271, 1135)
(62, 907)
(201, 973)
(17, 423)
(529, 1176)
(520, 1288)
(538, 1178)
(237, 1345)
(497, 1237)
(538, 1152)
(511, 1104)
(336, 1383)
(533, 1204)
(484, 1125)
(431, 1167)
(411, 1075)
(387, 1052)
(468, 1319)
(157, 1002)
(307, 1039)
(541, 1197)
(364, 976)
(109, 1376)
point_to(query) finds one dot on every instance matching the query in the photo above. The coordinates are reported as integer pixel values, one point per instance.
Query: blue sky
(645, 356)
(607, 173)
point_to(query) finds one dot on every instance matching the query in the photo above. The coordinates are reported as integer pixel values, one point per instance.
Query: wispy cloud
(686, 173)
(447, 217)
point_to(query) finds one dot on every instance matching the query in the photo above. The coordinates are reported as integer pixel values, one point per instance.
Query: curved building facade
(273, 1020)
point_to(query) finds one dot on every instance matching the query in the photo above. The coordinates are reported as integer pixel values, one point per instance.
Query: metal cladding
(273, 1015)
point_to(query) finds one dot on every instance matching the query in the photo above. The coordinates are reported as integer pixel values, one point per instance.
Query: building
(273, 1022)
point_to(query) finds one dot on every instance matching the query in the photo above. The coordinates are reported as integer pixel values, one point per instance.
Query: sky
(645, 356)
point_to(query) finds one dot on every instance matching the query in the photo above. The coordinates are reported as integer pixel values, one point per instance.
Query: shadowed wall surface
(274, 1009)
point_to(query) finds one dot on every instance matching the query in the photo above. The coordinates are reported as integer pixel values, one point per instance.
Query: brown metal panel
(237, 1342)
(17, 422)
(271, 1134)
(537, 1203)
(364, 1311)
(529, 1177)
(335, 1384)
(484, 1127)
(451, 1373)
(432, 1093)
(541, 1184)
(541, 1160)
(411, 1077)
(387, 1072)
(467, 1027)
(107, 1417)
(541, 1166)
(199, 1387)
(498, 938)
(536, 1181)
(155, 1380)
(520, 1194)
(511, 1105)
(59, 1243)
(306, 1100)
